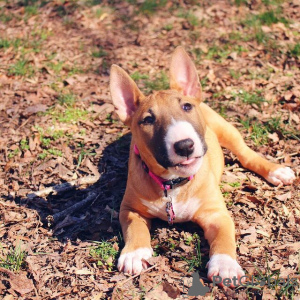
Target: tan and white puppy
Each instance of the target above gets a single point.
(178, 138)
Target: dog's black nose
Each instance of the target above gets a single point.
(184, 147)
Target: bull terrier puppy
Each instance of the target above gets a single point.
(176, 163)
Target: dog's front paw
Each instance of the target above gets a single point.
(134, 262)
(283, 175)
(222, 266)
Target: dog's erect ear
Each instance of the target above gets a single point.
(125, 93)
(183, 74)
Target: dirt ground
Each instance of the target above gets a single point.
(63, 152)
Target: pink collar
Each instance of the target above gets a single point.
(164, 184)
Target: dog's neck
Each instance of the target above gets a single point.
(164, 184)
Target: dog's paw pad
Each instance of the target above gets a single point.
(283, 175)
(134, 262)
(225, 267)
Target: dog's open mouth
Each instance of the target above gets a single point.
(187, 162)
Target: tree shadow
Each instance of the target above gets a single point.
(98, 220)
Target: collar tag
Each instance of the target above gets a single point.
(170, 212)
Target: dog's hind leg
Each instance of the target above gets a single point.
(230, 138)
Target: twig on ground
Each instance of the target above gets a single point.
(53, 219)
(132, 277)
(64, 187)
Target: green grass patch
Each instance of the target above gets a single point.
(198, 54)
(149, 7)
(235, 74)
(23, 46)
(56, 66)
(136, 76)
(258, 132)
(277, 125)
(236, 36)
(93, 2)
(13, 153)
(99, 53)
(48, 136)
(13, 259)
(68, 99)
(69, 114)
(194, 259)
(218, 53)
(260, 36)
(6, 43)
(285, 288)
(74, 69)
(250, 98)
(50, 152)
(21, 68)
(83, 153)
(272, 2)
(240, 2)
(266, 18)
(24, 144)
(31, 10)
(5, 18)
(99, 12)
(271, 17)
(190, 17)
(168, 27)
(295, 50)
(41, 34)
(105, 254)
(234, 184)
(161, 82)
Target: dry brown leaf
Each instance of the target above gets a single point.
(284, 197)
(157, 294)
(118, 278)
(8, 297)
(264, 233)
(19, 282)
(91, 166)
(268, 294)
(84, 272)
(172, 291)
(30, 110)
(34, 267)
(243, 249)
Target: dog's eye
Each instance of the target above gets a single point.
(187, 106)
(148, 120)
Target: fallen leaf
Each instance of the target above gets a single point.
(30, 110)
(284, 197)
(84, 272)
(157, 294)
(19, 282)
(264, 233)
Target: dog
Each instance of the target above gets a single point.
(176, 163)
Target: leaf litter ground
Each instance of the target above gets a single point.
(64, 153)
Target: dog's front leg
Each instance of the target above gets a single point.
(137, 242)
(219, 231)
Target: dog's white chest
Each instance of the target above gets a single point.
(184, 210)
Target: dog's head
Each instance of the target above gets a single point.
(167, 126)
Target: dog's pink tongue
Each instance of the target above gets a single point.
(188, 161)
